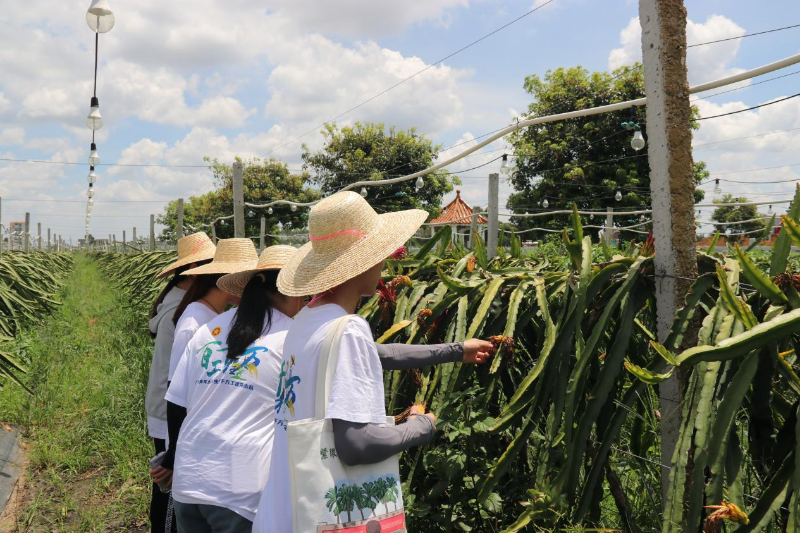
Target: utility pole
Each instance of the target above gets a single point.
(124, 242)
(133, 239)
(152, 233)
(48, 241)
(179, 226)
(609, 229)
(238, 200)
(494, 206)
(263, 231)
(671, 186)
(39, 233)
(26, 239)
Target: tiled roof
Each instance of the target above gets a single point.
(457, 212)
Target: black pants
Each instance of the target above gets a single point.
(159, 501)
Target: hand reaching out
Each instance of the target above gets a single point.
(477, 351)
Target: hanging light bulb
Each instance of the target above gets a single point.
(504, 166)
(545, 203)
(618, 196)
(91, 201)
(294, 207)
(92, 177)
(90, 192)
(770, 210)
(251, 214)
(269, 210)
(637, 143)
(717, 187)
(364, 192)
(99, 17)
(93, 120)
(419, 183)
(591, 216)
(94, 157)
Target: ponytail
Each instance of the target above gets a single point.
(201, 284)
(254, 315)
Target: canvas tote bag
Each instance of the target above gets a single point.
(328, 495)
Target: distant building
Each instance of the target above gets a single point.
(457, 214)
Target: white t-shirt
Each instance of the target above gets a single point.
(222, 456)
(356, 396)
(195, 315)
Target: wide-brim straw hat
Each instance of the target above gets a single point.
(191, 249)
(232, 255)
(272, 258)
(347, 238)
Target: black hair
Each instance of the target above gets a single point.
(171, 284)
(254, 315)
(200, 286)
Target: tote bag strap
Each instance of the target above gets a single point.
(326, 368)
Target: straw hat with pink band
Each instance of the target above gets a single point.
(272, 258)
(232, 255)
(347, 238)
(193, 248)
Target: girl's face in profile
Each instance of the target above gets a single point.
(370, 279)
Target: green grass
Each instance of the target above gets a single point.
(85, 422)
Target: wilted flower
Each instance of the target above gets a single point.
(400, 253)
(471, 263)
(725, 511)
(401, 280)
(423, 316)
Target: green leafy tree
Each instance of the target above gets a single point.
(392, 491)
(583, 160)
(264, 181)
(368, 490)
(368, 152)
(347, 500)
(332, 502)
(731, 218)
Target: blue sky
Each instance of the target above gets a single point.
(183, 80)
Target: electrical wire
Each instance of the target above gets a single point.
(748, 109)
(744, 36)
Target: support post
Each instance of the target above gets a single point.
(1, 228)
(213, 234)
(124, 242)
(179, 225)
(49, 249)
(133, 239)
(671, 185)
(238, 200)
(263, 231)
(26, 238)
(39, 234)
(152, 233)
(608, 231)
(494, 206)
(473, 227)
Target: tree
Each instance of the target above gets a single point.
(264, 181)
(583, 160)
(367, 152)
(332, 502)
(732, 217)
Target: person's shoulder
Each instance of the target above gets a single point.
(357, 326)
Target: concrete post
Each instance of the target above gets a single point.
(608, 231)
(494, 214)
(179, 225)
(263, 231)
(26, 238)
(48, 241)
(671, 184)
(124, 242)
(213, 234)
(133, 239)
(39, 233)
(152, 233)
(238, 200)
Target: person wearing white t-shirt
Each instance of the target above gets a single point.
(222, 392)
(341, 264)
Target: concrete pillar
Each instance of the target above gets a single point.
(494, 214)
(238, 200)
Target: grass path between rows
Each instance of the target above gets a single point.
(84, 426)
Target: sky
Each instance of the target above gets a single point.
(179, 81)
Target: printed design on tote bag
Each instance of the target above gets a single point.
(375, 505)
(285, 395)
(220, 369)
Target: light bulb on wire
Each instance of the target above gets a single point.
(717, 187)
(94, 157)
(93, 120)
(90, 192)
(770, 210)
(419, 183)
(363, 192)
(545, 203)
(294, 207)
(269, 210)
(92, 177)
(618, 196)
(504, 166)
(99, 17)
(637, 143)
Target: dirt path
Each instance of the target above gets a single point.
(84, 426)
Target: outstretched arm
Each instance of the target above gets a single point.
(363, 444)
(405, 356)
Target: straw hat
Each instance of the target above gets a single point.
(191, 249)
(232, 255)
(272, 258)
(347, 238)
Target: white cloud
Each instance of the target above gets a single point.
(12, 136)
(5, 103)
(704, 63)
